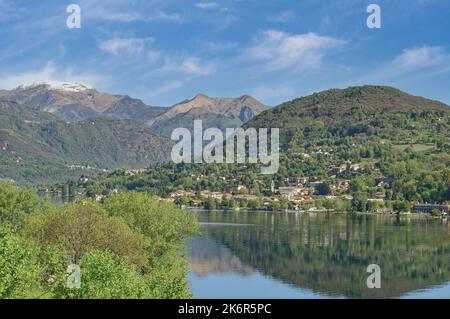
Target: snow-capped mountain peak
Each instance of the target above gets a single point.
(62, 86)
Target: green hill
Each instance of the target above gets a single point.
(381, 111)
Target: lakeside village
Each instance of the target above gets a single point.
(301, 194)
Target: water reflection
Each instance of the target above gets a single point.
(324, 254)
(208, 256)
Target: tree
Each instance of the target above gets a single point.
(357, 185)
(20, 272)
(103, 276)
(161, 222)
(359, 202)
(83, 227)
(210, 203)
(165, 228)
(436, 212)
(182, 201)
(16, 203)
(401, 206)
(323, 189)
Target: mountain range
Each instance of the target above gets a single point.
(55, 130)
(75, 102)
(39, 147)
(214, 112)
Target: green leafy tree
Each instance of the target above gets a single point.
(401, 206)
(16, 203)
(359, 202)
(165, 228)
(162, 223)
(104, 276)
(20, 272)
(83, 227)
(211, 203)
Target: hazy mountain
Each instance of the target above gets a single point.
(214, 112)
(36, 146)
(74, 102)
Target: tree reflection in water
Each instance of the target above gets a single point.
(328, 254)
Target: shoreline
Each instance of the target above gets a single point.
(324, 212)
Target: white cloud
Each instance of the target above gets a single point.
(131, 46)
(163, 16)
(122, 17)
(280, 50)
(49, 73)
(207, 5)
(187, 66)
(418, 62)
(133, 16)
(421, 57)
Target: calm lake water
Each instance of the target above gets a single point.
(297, 255)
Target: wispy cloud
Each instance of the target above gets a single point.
(417, 62)
(421, 57)
(207, 5)
(187, 66)
(49, 73)
(134, 16)
(163, 16)
(121, 16)
(131, 46)
(280, 50)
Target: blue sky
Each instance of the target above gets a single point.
(165, 51)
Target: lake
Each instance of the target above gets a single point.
(301, 255)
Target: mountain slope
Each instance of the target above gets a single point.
(214, 112)
(368, 110)
(37, 146)
(74, 102)
(384, 148)
(77, 102)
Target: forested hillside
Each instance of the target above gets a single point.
(38, 147)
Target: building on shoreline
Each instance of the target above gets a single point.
(428, 208)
